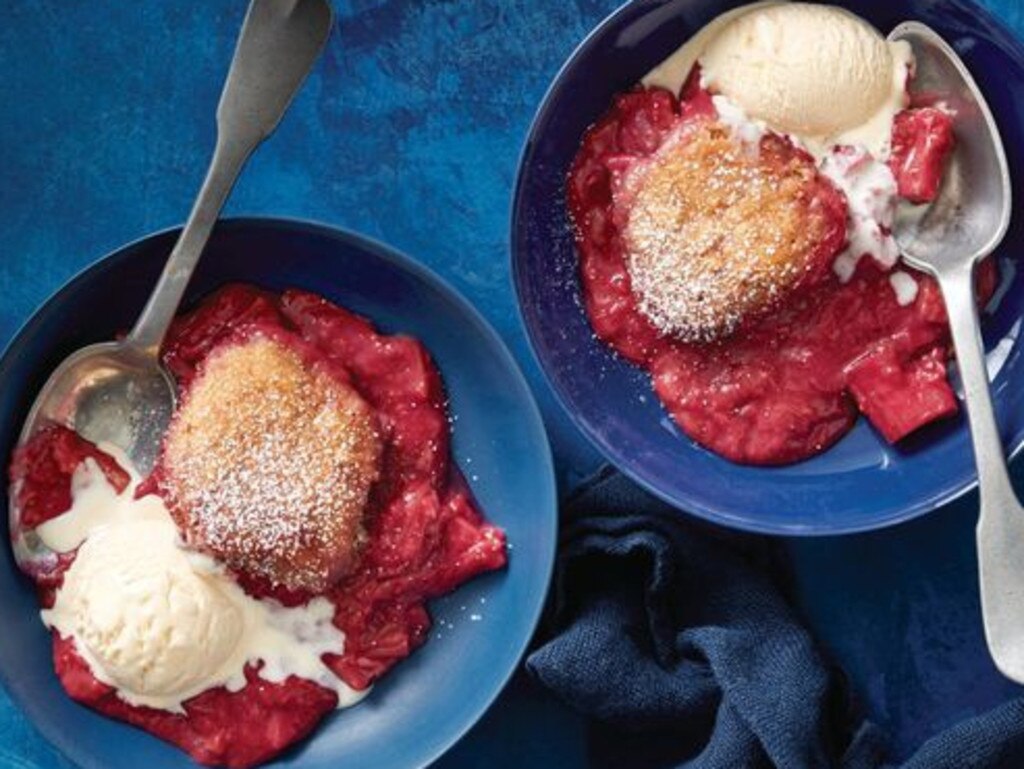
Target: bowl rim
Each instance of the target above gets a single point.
(402, 261)
(692, 505)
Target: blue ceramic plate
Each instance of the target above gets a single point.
(862, 482)
(428, 701)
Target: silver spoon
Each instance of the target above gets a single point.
(946, 239)
(118, 392)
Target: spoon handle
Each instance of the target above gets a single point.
(957, 286)
(278, 45)
(228, 160)
(1000, 530)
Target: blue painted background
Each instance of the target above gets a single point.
(409, 131)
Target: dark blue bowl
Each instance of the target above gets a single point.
(862, 483)
(426, 703)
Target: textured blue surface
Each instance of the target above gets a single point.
(611, 399)
(410, 131)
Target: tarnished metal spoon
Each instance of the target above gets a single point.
(118, 392)
(947, 239)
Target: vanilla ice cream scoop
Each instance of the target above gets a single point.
(144, 615)
(161, 623)
(816, 72)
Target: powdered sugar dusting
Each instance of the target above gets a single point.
(717, 231)
(269, 465)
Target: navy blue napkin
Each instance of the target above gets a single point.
(679, 640)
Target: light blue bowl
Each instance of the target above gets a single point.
(428, 701)
(861, 483)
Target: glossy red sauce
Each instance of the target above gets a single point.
(921, 140)
(787, 386)
(426, 535)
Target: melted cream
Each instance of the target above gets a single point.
(162, 623)
(743, 127)
(905, 287)
(871, 192)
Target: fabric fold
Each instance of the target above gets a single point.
(679, 639)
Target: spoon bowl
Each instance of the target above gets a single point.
(108, 393)
(972, 212)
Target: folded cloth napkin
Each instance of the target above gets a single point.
(680, 640)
